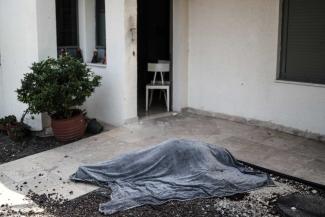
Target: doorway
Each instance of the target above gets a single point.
(154, 45)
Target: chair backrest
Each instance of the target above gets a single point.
(158, 67)
(163, 61)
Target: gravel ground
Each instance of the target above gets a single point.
(258, 203)
(10, 150)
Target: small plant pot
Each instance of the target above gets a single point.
(16, 131)
(3, 129)
(71, 129)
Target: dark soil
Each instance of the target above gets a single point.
(262, 204)
(259, 203)
(88, 204)
(10, 150)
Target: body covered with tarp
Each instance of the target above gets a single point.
(172, 170)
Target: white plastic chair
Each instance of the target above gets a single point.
(156, 68)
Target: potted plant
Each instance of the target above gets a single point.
(58, 87)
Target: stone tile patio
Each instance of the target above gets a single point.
(49, 171)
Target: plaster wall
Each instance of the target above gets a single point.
(233, 57)
(87, 28)
(26, 36)
(115, 101)
(180, 54)
(18, 48)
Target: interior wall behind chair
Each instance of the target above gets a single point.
(153, 37)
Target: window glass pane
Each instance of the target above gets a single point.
(100, 24)
(66, 20)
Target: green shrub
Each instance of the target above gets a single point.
(57, 86)
(8, 120)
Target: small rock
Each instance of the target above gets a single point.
(293, 208)
(314, 191)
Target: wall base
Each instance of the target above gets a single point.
(258, 123)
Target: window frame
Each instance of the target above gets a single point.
(282, 51)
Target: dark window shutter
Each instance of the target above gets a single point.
(100, 24)
(303, 41)
(67, 23)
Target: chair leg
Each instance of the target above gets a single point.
(165, 96)
(151, 96)
(168, 102)
(147, 98)
(160, 92)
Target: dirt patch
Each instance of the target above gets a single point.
(10, 150)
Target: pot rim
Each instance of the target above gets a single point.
(75, 116)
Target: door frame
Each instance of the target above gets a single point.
(171, 57)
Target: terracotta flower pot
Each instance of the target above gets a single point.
(3, 129)
(16, 131)
(67, 130)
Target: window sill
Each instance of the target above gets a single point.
(300, 83)
(99, 65)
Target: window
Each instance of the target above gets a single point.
(303, 41)
(67, 25)
(100, 24)
(100, 31)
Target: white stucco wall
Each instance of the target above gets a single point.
(25, 37)
(180, 54)
(115, 101)
(46, 29)
(233, 65)
(87, 28)
(18, 46)
(131, 74)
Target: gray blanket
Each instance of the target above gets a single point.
(172, 170)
